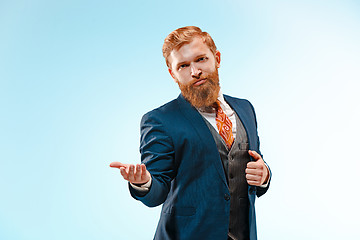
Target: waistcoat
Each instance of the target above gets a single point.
(234, 162)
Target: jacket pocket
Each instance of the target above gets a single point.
(181, 211)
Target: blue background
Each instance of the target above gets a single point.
(76, 77)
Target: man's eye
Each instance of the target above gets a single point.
(201, 59)
(183, 66)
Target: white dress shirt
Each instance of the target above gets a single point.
(210, 113)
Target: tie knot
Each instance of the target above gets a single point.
(218, 108)
(216, 105)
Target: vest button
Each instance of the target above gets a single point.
(227, 197)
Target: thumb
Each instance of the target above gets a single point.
(117, 164)
(254, 154)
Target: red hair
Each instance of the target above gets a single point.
(185, 35)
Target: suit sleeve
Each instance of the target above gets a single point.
(260, 190)
(157, 153)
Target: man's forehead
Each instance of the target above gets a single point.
(195, 42)
(189, 50)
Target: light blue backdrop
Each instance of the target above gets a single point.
(76, 77)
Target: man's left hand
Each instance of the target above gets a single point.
(256, 171)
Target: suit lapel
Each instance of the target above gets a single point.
(206, 138)
(244, 118)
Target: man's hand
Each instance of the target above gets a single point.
(256, 172)
(134, 174)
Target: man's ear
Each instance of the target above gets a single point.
(172, 74)
(217, 58)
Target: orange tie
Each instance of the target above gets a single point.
(224, 125)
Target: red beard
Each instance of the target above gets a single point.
(204, 95)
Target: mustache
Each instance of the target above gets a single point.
(194, 80)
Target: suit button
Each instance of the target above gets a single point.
(227, 197)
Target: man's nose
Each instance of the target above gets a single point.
(195, 71)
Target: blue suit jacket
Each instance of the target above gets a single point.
(187, 173)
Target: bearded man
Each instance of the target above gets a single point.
(200, 152)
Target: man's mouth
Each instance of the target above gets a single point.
(199, 82)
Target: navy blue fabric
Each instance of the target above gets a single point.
(187, 174)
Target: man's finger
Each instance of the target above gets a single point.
(138, 171)
(254, 154)
(143, 170)
(254, 165)
(131, 173)
(253, 183)
(252, 177)
(117, 164)
(123, 173)
(253, 171)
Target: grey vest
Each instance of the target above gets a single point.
(234, 163)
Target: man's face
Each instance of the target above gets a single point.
(195, 69)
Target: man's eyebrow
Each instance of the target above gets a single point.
(198, 56)
(181, 63)
(201, 55)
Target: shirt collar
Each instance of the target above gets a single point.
(221, 98)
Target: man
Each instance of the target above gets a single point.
(200, 152)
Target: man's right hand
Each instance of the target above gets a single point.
(134, 174)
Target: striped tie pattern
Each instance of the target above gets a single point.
(224, 125)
